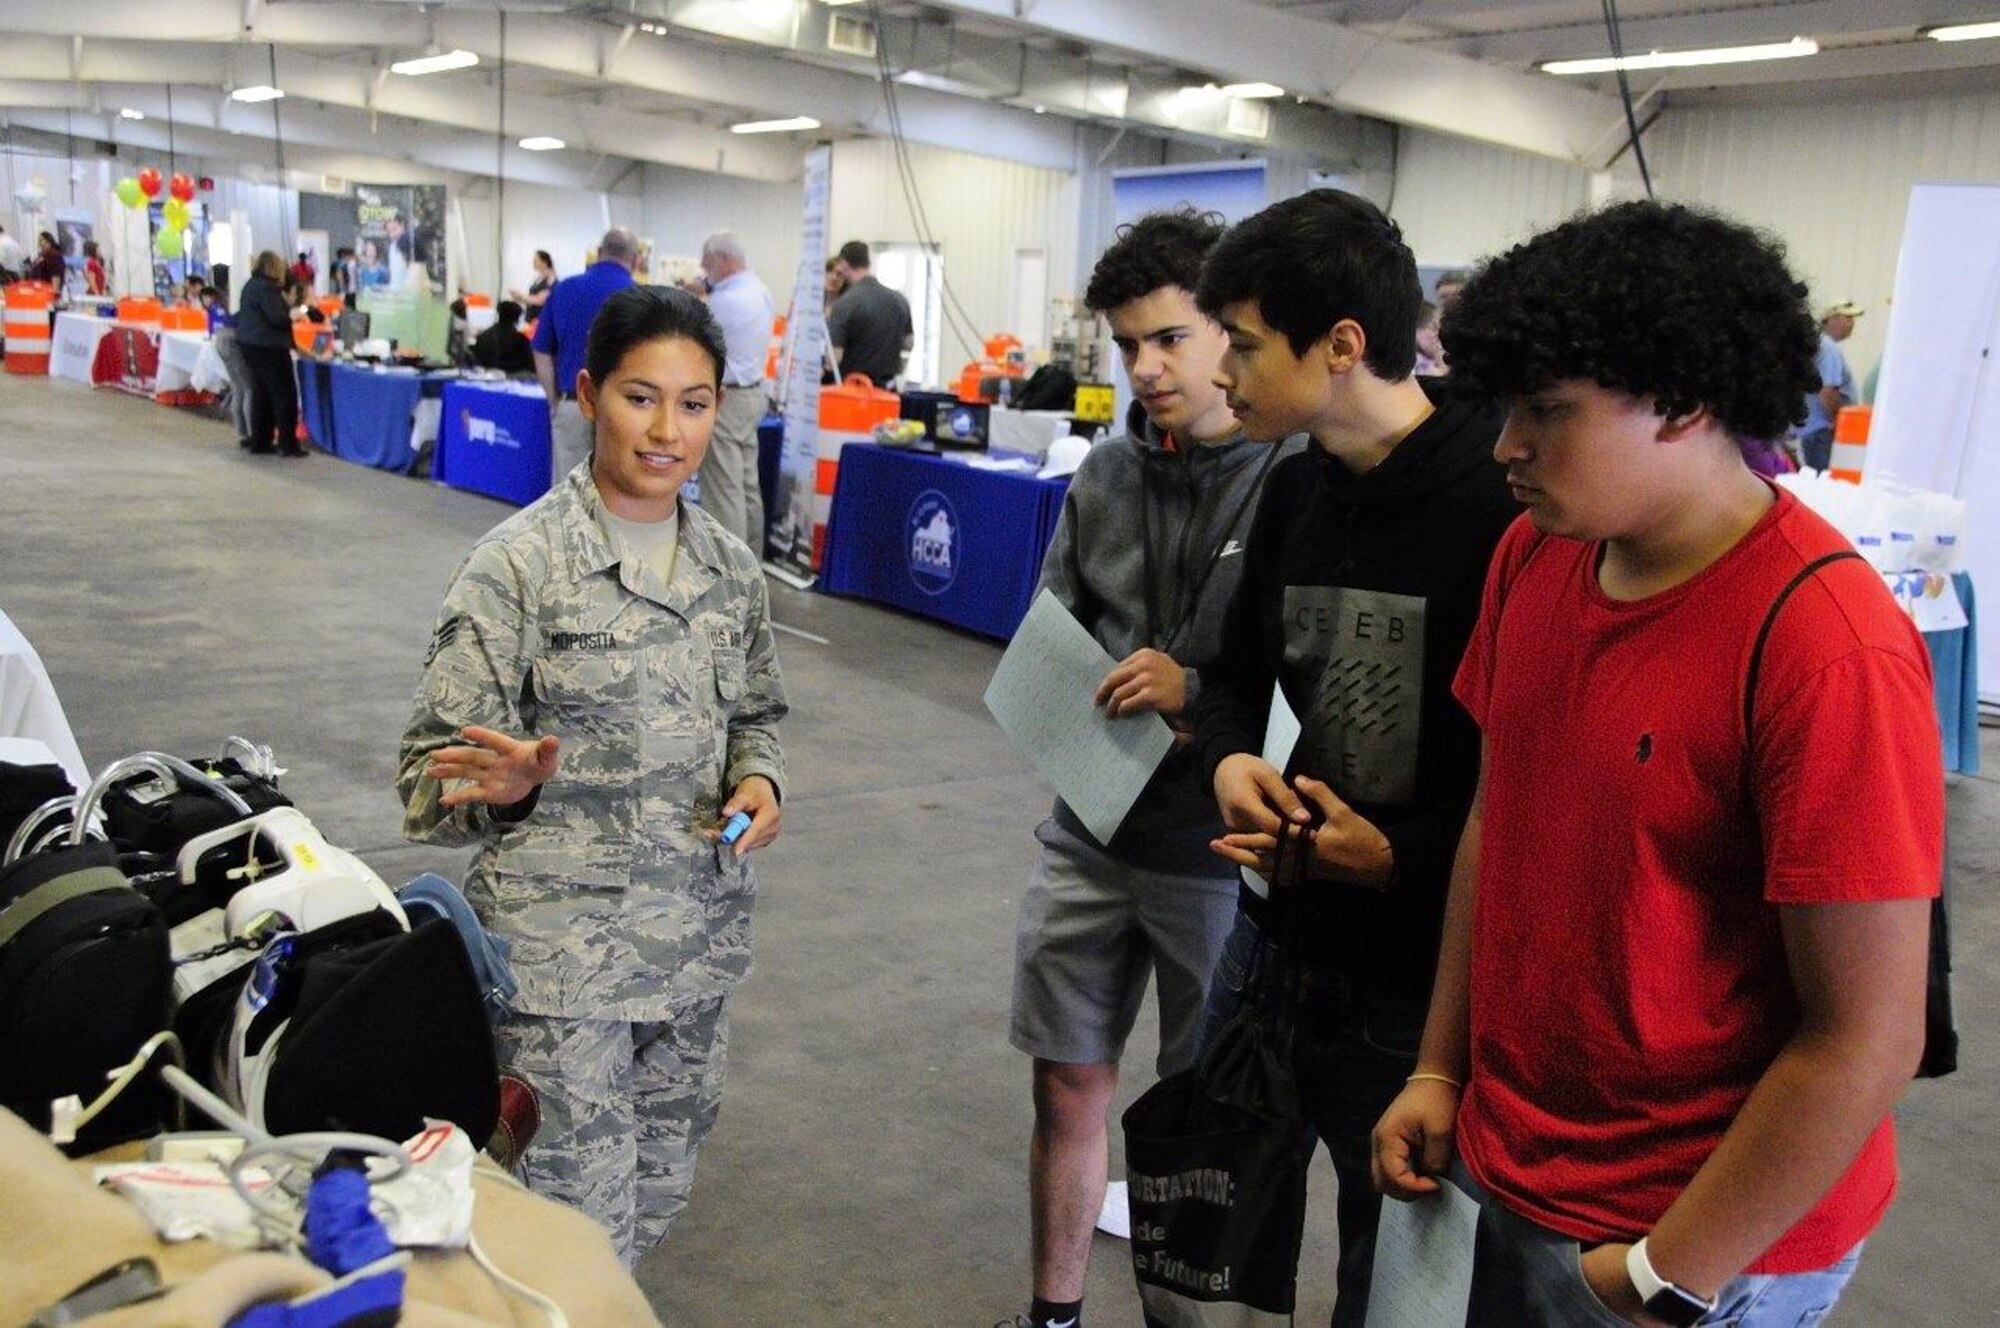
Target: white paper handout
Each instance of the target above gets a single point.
(1041, 696)
(1423, 1261)
(1281, 734)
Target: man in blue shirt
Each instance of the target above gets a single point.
(1836, 386)
(559, 343)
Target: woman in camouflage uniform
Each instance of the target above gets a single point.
(601, 697)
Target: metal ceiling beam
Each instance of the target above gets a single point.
(1237, 41)
(461, 103)
(317, 140)
(1530, 44)
(739, 78)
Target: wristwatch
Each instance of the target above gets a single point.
(1663, 1300)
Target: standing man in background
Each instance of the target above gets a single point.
(869, 330)
(1836, 385)
(559, 340)
(742, 306)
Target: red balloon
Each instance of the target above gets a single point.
(149, 182)
(181, 187)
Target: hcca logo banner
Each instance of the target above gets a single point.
(932, 531)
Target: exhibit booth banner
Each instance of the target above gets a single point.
(400, 251)
(1937, 409)
(791, 539)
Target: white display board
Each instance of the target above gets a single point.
(792, 524)
(1937, 407)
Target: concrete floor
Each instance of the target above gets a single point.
(869, 1162)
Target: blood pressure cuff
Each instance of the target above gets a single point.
(377, 1036)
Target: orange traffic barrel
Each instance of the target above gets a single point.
(848, 413)
(28, 339)
(774, 352)
(1850, 443)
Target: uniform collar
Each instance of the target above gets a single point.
(697, 566)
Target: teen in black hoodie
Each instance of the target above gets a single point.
(1366, 566)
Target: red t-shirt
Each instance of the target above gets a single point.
(1629, 984)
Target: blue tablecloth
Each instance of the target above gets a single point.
(1955, 677)
(316, 400)
(770, 453)
(934, 536)
(371, 413)
(494, 439)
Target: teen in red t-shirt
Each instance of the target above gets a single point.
(1682, 977)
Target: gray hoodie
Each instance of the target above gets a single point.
(1138, 512)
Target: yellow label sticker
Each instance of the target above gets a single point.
(303, 852)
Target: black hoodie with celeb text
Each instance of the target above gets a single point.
(1358, 597)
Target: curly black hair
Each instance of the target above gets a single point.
(1655, 300)
(1315, 259)
(1160, 249)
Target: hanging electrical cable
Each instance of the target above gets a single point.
(278, 144)
(173, 165)
(961, 323)
(1614, 30)
(500, 167)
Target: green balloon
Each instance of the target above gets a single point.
(167, 244)
(128, 192)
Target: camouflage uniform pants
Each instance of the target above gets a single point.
(625, 1107)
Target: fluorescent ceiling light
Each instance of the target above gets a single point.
(918, 78)
(262, 92)
(1252, 90)
(836, 4)
(436, 64)
(542, 143)
(127, 113)
(1720, 55)
(774, 126)
(1963, 32)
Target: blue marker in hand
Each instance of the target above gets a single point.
(737, 824)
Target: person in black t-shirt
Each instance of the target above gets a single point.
(502, 346)
(1361, 583)
(869, 329)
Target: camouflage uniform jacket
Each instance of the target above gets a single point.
(665, 696)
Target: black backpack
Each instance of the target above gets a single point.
(85, 973)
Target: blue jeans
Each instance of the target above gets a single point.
(1352, 1045)
(1526, 1276)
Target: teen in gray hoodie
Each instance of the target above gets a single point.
(1147, 556)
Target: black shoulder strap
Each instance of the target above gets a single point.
(1770, 620)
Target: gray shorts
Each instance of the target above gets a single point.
(1092, 928)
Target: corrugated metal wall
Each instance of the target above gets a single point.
(1459, 201)
(981, 210)
(680, 207)
(566, 222)
(1832, 179)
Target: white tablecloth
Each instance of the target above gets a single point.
(181, 355)
(75, 348)
(28, 704)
